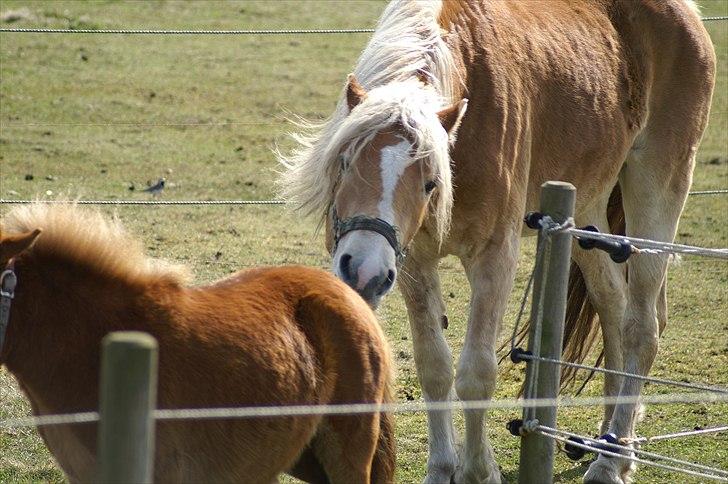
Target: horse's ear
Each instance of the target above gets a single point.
(451, 116)
(355, 93)
(423, 77)
(13, 245)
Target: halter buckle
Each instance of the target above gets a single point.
(8, 281)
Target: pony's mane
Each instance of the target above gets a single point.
(88, 238)
(406, 46)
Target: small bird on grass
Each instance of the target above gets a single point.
(156, 189)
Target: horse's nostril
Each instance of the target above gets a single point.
(387, 283)
(390, 277)
(345, 267)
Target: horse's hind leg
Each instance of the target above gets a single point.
(654, 188)
(607, 287)
(308, 468)
(345, 447)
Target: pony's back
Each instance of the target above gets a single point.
(276, 336)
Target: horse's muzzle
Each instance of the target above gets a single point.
(374, 287)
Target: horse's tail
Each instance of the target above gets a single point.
(581, 328)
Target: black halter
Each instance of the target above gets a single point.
(373, 224)
(7, 293)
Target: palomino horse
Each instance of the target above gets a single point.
(596, 93)
(275, 336)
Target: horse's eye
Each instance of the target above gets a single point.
(342, 161)
(429, 186)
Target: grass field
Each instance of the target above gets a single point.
(90, 115)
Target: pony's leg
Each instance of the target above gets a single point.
(420, 287)
(662, 305)
(653, 198)
(607, 287)
(490, 273)
(345, 447)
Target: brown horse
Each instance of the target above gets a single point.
(598, 93)
(267, 336)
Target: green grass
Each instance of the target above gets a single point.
(92, 113)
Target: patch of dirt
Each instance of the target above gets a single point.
(11, 16)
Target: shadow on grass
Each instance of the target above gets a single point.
(573, 474)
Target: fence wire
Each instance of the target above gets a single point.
(635, 450)
(366, 408)
(226, 202)
(149, 202)
(186, 31)
(216, 31)
(651, 379)
(678, 435)
(647, 246)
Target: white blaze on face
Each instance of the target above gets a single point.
(393, 161)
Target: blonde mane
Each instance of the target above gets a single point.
(406, 46)
(87, 237)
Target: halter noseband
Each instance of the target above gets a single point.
(373, 224)
(7, 293)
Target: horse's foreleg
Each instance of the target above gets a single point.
(420, 286)
(491, 275)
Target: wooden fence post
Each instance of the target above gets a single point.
(128, 394)
(537, 451)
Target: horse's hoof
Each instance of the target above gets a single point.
(494, 476)
(603, 471)
(439, 477)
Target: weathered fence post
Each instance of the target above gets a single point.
(537, 451)
(128, 394)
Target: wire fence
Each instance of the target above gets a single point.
(645, 378)
(618, 447)
(215, 31)
(646, 246)
(186, 31)
(4, 201)
(148, 202)
(622, 448)
(714, 475)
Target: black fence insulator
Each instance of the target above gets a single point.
(621, 253)
(573, 452)
(618, 251)
(517, 355)
(514, 427)
(577, 453)
(532, 220)
(588, 244)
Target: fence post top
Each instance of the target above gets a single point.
(133, 338)
(559, 185)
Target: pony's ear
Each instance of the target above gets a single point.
(13, 245)
(355, 93)
(451, 116)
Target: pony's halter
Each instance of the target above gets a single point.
(373, 224)
(7, 293)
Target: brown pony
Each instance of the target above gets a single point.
(266, 336)
(598, 93)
